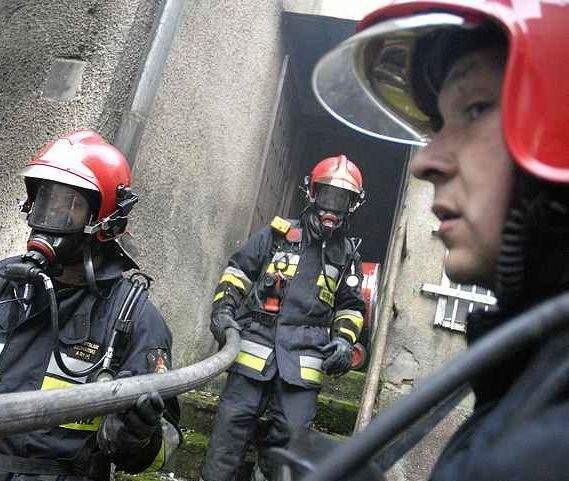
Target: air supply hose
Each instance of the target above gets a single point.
(518, 333)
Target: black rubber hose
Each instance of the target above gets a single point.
(54, 316)
(27, 411)
(514, 335)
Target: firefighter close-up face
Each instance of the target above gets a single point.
(469, 166)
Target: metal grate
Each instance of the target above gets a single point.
(456, 301)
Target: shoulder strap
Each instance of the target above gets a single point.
(139, 284)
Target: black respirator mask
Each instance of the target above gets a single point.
(58, 218)
(330, 210)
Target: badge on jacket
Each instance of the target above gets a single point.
(157, 360)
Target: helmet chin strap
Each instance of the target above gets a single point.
(89, 267)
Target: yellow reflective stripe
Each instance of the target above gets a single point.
(350, 333)
(233, 280)
(159, 460)
(218, 296)
(251, 361)
(86, 425)
(357, 320)
(91, 424)
(310, 374)
(326, 296)
(322, 283)
(55, 383)
(289, 271)
(280, 225)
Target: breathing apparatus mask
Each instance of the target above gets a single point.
(330, 210)
(58, 217)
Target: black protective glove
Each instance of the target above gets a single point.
(338, 354)
(222, 319)
(123, 436)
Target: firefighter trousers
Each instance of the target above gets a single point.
(242, 403)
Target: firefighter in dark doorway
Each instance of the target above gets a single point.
(79, 197)
(293, 291)
(486, 86)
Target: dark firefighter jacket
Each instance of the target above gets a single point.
(27, 364)
(519, 430)
(290, 342)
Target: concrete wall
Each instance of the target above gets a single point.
(64, 64)
(198, 169)
(414, 347)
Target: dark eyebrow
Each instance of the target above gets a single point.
(460, 72)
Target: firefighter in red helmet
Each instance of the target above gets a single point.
(293, 290)
(483, 87)
(78, 201)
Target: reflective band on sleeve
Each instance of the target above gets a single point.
(234, 280)
(312, 375)
(254, 362)
(280, 225)
(354, 316)
(218, 296)
(350, 333)
(89, 424)
(2, 346)
(233, 271)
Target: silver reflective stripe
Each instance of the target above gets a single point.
(293, 259)
(238, 273)
(2, 346)
(71, 363)
(332, 272)
(347, 312)
(311, 362)
(171, 439)
(256, 349)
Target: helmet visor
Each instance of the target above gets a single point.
(59, 208)
(366, 82)
(334, 199)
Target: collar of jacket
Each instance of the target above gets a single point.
(491, 386)
(75, 302)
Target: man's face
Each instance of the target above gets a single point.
(470, 168)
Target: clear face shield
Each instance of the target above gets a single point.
(60, 209)
(366, 82)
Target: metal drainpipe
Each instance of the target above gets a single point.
(133, 123)
(371, 385)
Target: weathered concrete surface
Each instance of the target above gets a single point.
(414, 347)
(198, 167)
(37, 36)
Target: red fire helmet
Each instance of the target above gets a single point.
(338, 171)
(82, 159)
(368, 81)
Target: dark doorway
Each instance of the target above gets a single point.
(302, 133)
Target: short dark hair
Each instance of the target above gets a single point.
(436, 52)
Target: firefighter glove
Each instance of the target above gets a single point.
(222, 319)
(338, 354)
(136, 428)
